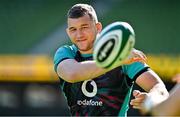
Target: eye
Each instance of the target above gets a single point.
(72, 29)
(85, 27)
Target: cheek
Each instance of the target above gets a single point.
(72, 37)
(93, 35)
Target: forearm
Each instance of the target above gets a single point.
(88, 70)
(73, 71)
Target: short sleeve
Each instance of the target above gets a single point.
(135, 69)
(64, 52)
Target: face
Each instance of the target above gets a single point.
(82, 32)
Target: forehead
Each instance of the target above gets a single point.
(74, 22)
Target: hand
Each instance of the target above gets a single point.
(139, 99)
(135, 56)
(146, 101)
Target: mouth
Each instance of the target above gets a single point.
(81, 40)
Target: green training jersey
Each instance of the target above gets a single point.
(108, 94)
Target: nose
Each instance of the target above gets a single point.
(79, 34)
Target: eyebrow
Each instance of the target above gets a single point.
(84, 24)
(70, 28)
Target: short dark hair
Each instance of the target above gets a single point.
(79, 10)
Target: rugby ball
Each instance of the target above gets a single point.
(113, 44)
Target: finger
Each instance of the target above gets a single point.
(137, 53)
(136, 93)
(136, 59)
(135, 104)
(137, 107)
(137, 100)
(135, 56)
(143, 55)
(144, 58)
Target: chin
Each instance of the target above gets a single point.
(82, 49)
(85, 50)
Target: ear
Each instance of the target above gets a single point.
(67, 31)
(99, 27)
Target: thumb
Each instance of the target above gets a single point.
(136, 93)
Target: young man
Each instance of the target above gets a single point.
(93, 91)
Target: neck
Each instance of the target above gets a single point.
(86, 52)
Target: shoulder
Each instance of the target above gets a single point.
(64, 52)
(66, 48)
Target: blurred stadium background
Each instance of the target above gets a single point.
(32, 30)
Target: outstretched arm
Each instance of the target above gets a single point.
(72, 71)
